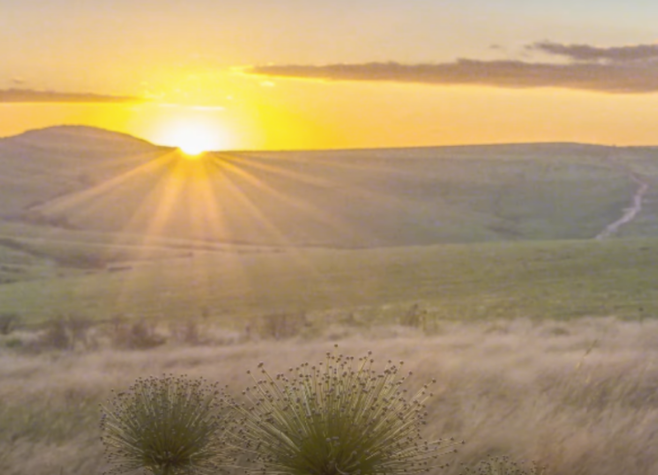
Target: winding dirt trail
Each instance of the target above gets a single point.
(629, 213)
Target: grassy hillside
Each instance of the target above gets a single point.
(42, 164)
(559, 280)
(468, 232)
(360, 198)
(31, 252)
(92, 180)
(643, 161)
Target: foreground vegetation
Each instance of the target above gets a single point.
(475, 265)
(579, 398)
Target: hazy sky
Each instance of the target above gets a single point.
(339, 73)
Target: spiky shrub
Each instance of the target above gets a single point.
(503, 466)
(166, 425)
(335, 418)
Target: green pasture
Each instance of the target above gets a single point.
(554, 279)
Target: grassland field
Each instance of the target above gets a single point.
(580, 397)
(476, 265)
(556, 280)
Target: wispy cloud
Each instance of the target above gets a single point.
(32, 96)
(580, 52)
(626, 69)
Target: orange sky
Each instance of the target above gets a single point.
(304, 114)
(537, 71)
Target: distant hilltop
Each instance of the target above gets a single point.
(77, 136)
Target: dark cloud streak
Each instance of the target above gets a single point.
(618, 70)
(31, 96)
(580, 52)
(510, 74)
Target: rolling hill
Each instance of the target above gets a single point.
(98, 223)
(42, 164)
(94, 180)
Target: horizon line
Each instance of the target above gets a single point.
(321, 149)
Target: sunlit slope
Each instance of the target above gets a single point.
(537, 279)
(42, 164)
(364, 198)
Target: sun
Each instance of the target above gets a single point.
(193, 134)
(194, 139)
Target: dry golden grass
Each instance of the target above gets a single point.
(581, 398)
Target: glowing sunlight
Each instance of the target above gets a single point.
(193, 135)
(194, 139)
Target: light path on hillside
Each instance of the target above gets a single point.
(629, 213)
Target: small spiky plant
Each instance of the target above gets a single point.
(338, 417)
(503, 466)
(166, 425)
